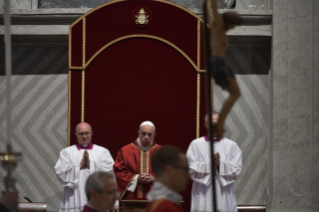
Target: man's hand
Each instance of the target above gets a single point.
(145, 178)
(85, 162)
(216, 159)
(87, 159)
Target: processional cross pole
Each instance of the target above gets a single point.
(9, 158)
(215, 46)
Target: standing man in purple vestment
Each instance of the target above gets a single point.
(75, 165)
(101, 191)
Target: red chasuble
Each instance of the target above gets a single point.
(163, 205)
(130, 161)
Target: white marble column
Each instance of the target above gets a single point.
(295, 106)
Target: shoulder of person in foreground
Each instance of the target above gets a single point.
(163, 205)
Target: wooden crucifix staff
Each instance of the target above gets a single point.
(215, 45)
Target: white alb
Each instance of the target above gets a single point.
(73, 179)
(198, 155)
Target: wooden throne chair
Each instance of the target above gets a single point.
(137, 60)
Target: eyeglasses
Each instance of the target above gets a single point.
(185, 168)
(112, 193)
(84, 133)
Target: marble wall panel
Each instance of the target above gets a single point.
(315, 103)
(36, 59)
(252, 4)
(39, 119)
(247, 124)
(190, 4)
(300, 42)
(295, 100)
(18, 4)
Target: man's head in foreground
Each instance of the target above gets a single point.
(101, 191)
(146, 133)
(83, 132)
(171, 167)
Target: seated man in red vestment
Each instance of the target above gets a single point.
(132, 167)
(101, 192)
(171, 169)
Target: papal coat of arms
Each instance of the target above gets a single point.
(141, 17)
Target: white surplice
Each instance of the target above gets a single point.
(199, 158)
(73, 179)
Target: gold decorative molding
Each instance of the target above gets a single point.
(93, 10)
(141, 36)
(83, 96)
(76, 67)
(198, 106)
(69, 108)
(70, 47)
(198, 44)
(83, 41)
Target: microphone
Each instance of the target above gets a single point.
(27, 198)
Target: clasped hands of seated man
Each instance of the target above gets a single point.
(145, 178)
(85, 162)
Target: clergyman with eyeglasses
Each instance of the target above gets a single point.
(75, 165)
(101, 191)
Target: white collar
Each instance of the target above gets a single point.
(144, 148)
(160, 191)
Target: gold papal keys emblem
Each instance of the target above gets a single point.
(141, 17)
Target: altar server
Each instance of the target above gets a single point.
(228, 161)
(75, 165)
(134, 174)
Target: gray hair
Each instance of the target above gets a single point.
(95, 182)
(206, 116)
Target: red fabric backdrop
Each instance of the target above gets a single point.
(137, 79)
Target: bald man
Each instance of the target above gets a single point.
(75, 165)
(134, 174)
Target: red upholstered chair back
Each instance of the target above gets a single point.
(128, 65)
